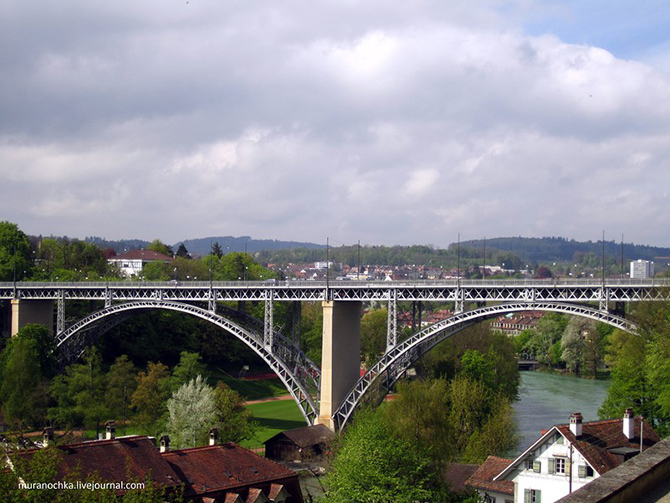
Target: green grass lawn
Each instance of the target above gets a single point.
(274, 417)
(250, 390)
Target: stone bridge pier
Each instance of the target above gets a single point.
(340, 356)
(31, 311)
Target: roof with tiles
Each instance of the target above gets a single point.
(122, 459)
(144, 255)
(224, 467)
(483, 477)
(306, 436)
(599, 437)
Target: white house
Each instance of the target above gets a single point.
(131, 263)
(563, 459)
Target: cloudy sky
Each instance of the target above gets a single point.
(386, 122)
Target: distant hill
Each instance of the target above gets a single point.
(553, 249)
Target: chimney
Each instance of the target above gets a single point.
(47, 436)
(576, 424)
(213, 436)
(629, 424)
(110, 430)
(165, 443)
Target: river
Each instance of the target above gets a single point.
(546, 399)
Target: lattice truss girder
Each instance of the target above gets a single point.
(532, 290)
(400, 357)
(286, 363)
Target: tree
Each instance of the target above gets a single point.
(24, 388)
(573, 343)
(121, 383)
(158, 246)
(217, 250)
(192, 412)
(374, 465)
(188, 368)
(374, 328)
(15, 262)
(80, 393)
(149, 398)
(182, 252)
(234, 422)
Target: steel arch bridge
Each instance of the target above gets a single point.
(398, 358)
(299, 375)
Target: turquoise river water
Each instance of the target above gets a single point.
(546, 399)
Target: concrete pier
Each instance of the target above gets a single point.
(32, 311)
(340, 355)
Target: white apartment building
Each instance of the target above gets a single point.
(641, 269)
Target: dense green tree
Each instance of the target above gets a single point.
(234, 422)
(15, 254)
(217, 250)
(374, 328)
(150, 397)
(158, 246)
(375, 466)
(312, 330)
(80, 394)
(24, 387)
(188, 368)
(182, 252)
(630, 386)
(549, 331)
(121, 384)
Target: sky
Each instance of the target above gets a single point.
(383, 122)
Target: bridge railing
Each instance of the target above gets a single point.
(588, 282)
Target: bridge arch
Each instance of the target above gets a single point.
(403, 355)
(287, 361)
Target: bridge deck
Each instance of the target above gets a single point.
(557, 290)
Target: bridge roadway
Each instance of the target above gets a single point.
(331, 394)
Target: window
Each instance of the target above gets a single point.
(529, 464)
(585, 471)
(537, 466)
(532, 496)
(560, 466)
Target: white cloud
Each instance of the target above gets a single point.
(402, 124)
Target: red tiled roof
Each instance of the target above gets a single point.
(145, 255)
(224, 467)
(306, 436)
(457, 474)
(598, 437)
(118, 460)
(483, 477)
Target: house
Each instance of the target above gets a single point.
(230, 473)
(216, 473)
(131, 263)
(565, 458)
(514, 324)
(301, 444)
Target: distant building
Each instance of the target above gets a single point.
(514, 324)
(563, 459)
(131, 263)
(641, 269)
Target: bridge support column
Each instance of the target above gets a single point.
(32, 311)
(340, 356)
(392, 329)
